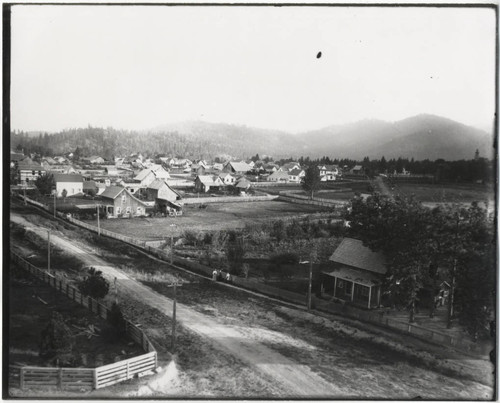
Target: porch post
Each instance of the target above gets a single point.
(335, 287)
(369, 297)
(378, 296)
(352, 291)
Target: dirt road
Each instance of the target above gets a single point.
(294, 379)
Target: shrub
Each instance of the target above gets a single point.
(56, 339)
(94, 285)
(117, 323)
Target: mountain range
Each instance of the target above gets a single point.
(420, 137)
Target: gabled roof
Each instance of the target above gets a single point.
(143, 174)
(29, 165)
(112, 192)
(224, 175)
(87, 185)
(67, 177)
(16, 156)
(279, 174)
(295, 172)
(206, 179)
(156, 184)
(290, 165)
(357, 168)
(352, 252)
(239, 166)
(243, 183)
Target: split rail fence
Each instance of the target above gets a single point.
(93, 378)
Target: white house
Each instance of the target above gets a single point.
(227, 178)
(296, 175)
(278, 176)
(328, 172)
(72, 183)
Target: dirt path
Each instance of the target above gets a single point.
(384, 189)
(295, 380)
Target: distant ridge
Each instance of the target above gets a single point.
(421, 137)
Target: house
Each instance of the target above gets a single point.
(279, 176)
(296, 175)
(217, 166)
(357, 170)
(328, 172)
(119, 202)
(243, 184)
(159, 171)
(356, 275)
(270, 168)
(60, 160)
(289, 166)
(166, 199)
(72, 183)
(16, 157)
(145, 177)
(28, 171)
(227, 178)
(111, 170)
(237, 167)
(90, 188)
(198, 169)
(203, 183)
(133, 187)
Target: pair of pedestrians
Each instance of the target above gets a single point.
(218, 276)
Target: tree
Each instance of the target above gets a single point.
(56, 339)
(94, 285)
(45, 183)
(312, 180)
(235, 252)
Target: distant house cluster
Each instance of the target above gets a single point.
(137, 185)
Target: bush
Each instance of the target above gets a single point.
(94, 285)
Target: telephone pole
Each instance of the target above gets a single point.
(48, 250)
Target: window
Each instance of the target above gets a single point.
(365, 291)
(340, 283)
(118, 210)
(128, 210)
(123, 199)
(32, 172)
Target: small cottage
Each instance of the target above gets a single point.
(119, 202)
(356, 274)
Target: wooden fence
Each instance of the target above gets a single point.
(315, 202)
(227, 199)
(94, 378)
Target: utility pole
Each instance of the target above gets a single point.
(310, 283)
(55, 193)
(48, 250)
(24, 187)
(174, 317)
(98, 225)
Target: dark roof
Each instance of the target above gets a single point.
(112, 192)
(67, 178)
(156, 184)
(352, 252)
(87, 185)
(16, 156)
(295, 172)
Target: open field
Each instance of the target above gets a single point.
(214, 217)
(31, 306)
(459, 193)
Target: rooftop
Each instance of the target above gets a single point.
(352, 252)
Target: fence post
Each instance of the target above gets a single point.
(21, 378)
(95, 378)
(128, 369)
(59, 379)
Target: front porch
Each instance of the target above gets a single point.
(353, 286)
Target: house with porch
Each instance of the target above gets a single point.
(356, 274)
(296, 175)
(119, 202)
(203, 183)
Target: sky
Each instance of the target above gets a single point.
(137, 67)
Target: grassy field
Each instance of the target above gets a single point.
(215, 217)
(436, 193)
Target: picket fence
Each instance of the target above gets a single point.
(315, 202)
(320, 305)
(93, 378)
